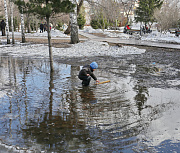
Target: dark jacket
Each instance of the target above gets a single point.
(3, 25)
(86, 70)
(41, 26)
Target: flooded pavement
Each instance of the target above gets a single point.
(45, 111)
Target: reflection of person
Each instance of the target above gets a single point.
(141, 96)
(3, 26)
(87, 95)
(86, 73)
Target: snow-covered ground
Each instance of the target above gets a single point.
(54, 33)
(87, 48)
(155, 36)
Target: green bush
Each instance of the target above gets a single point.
(59, 26)
(99, 24)
(94, 24)
(81, 21)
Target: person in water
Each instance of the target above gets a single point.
(86, 73)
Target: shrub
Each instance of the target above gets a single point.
(81, 21)
(59, 25)
(94, 24)
(99, 24)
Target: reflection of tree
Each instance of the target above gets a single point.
(10, 101)
(141, 97)
(51, 87)
(57, 132)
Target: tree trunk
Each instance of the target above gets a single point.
(22, 28)
(51, 87)
(28, 23)
(7, 23)
(12, 26)
(74, 26)
(49, 44)
(68, 30)
(79, 6)
(36, 25)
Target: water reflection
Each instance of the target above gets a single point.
(57, 132)
(51, 111)
(141, 95)
(87, 95)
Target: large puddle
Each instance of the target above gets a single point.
(44, 111)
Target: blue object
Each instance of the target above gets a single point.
(94, 65)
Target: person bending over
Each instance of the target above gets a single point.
(86, 73)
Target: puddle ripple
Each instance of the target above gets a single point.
(45, 111)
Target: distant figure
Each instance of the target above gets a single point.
(128, 27)
(45, 26)
(64, 26)
(50, 26)
(148, 30)
(41, 28)
(3, 26)
(143, 29)
(86, 73)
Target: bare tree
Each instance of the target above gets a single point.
(79, 5)
(28, 19)
(22, 28)
(114, 11)
(128, 7)
(104, 9)
(109, 9)
(7, 23)
(168, 16)
(12, 26)
(74, 28)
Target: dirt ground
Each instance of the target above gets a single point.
(58, 43)
(99, 34)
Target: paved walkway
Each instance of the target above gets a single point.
(114, 40)
(131, 41)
